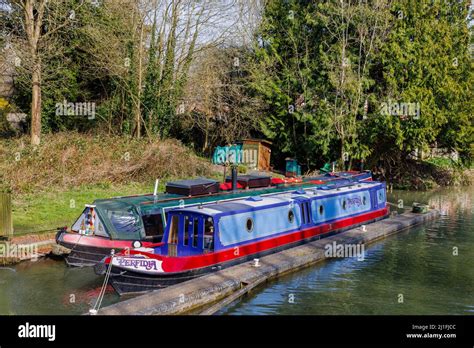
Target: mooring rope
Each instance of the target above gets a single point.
(98, 303)
(75, 245)
(393, 204)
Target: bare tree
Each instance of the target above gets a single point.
(38, 25)
(217, 100)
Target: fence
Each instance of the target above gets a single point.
(6, 221)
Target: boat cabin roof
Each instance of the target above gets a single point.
(282, 198)
(150, 204)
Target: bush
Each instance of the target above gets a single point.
(65, 160)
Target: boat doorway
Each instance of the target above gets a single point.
(173, 236)
(154, 227)
(191, 237)
(189, 234)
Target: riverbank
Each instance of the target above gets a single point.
(426, 174)
(29, 247)
(35, 212)
(65, 161)
(51, 183)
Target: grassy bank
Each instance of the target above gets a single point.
(51, 183)
(33, 212)
(67, 160)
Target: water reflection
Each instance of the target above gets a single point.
(49, 287)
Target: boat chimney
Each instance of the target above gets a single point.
(234, 178)
(155, 191)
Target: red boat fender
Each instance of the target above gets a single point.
(317, 182)
(277, 181)
(293, 180)
(227, 186)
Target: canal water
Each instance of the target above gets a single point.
(427, 270)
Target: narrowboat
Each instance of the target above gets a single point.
(116, 223)
(202, 239)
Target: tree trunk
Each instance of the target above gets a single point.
(206, 138)
(36, 105)
(138, 115)
(33, 20)
(342, 154)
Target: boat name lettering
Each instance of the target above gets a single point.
(147, 264)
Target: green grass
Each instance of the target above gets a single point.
(38, 212)
(442, 162)
(46, 211)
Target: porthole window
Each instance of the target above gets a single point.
(321, 209)
(344, 204)
(249, 225)
(291, 216)
(364, 200)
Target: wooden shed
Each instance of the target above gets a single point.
(256, 154)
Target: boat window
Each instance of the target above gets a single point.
(173, 236)
(381, 198)
(249, 225)
(153, 225)
(321, 209)
(364, 200)
(344, 204)
(124, 221)
(195, 232)
(89, 223)
(291, 216)
(100, 230)
(209, 234)
(186, 228)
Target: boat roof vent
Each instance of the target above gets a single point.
(254, 199)
(300, 192)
